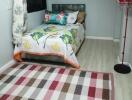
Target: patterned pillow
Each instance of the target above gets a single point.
(55, 18)
(72, 17)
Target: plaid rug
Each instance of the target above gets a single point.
(36, 82)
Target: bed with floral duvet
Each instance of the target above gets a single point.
(53, 40)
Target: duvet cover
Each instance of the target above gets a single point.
(54, 40)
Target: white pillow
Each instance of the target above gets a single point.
(72, 17)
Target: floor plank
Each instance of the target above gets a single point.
(101, 55)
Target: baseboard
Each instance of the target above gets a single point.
(119, 62)
(10, 63)
(102, 38)
(99, 38)
(116, 40)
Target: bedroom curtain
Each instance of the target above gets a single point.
(19, 20)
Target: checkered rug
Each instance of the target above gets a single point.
(36, 82)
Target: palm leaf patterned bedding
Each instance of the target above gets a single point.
(55, 40)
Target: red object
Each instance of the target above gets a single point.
(20, 80)
(124, 1)
(53, 85)
(91, 91)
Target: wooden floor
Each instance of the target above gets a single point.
(101, 55)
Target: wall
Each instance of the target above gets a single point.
(103, 16)
(35, 19)
(6, 48)
(118, 21)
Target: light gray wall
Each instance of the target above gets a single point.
(118, 21)
(35, 19)
(103, 16)
(6, 48)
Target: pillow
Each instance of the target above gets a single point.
(72, 17)
(81, 17)
(52, 18)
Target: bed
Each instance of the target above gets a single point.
(54, 42)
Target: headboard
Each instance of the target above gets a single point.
(68, 7)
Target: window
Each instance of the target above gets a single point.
(35, 5)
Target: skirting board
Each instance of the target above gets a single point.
(10, 63)
(119, 62)
(102, 38)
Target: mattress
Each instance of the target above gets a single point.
(79, 28)
(54, 40)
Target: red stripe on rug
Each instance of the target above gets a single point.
(33, 67)
(20, 80)
(94, 75)
(4, 97)
(53, 85)
(91, 92)
(61, 71)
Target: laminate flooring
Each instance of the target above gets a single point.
(101, 55)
